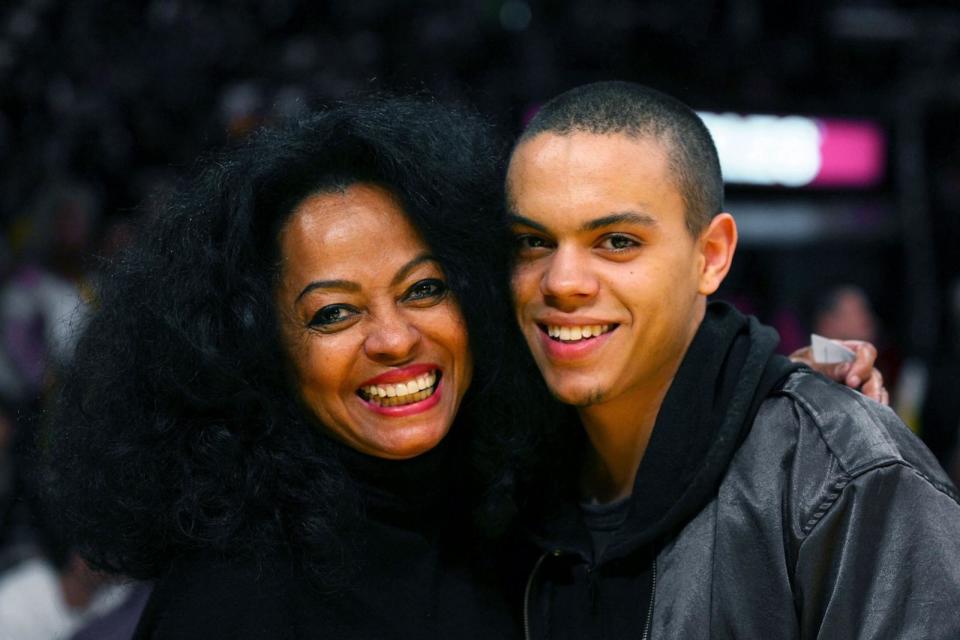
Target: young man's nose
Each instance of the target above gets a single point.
(568, 278)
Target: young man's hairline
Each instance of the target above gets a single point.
(695, 221)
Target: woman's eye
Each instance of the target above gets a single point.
(618, 242)
(426, 290)
(332, 315)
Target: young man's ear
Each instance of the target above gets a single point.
(717, 243)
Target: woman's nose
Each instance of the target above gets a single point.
(393, 338)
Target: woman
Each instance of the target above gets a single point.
(254, 413)
(269, 409)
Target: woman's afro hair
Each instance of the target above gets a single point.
(175, 428)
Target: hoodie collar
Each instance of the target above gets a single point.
(727, 371)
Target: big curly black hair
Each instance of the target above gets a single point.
(176, 430)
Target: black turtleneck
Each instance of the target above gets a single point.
(410, 571)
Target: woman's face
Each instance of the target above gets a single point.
(376, 340)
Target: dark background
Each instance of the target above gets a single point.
(103, 103)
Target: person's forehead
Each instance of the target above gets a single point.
(363, 225)
(598, 172)
(588, 149)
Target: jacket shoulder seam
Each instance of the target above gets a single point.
(836, 490)
(833, 494)
(802, 401)
(848, 474)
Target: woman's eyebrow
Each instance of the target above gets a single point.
(353, 287)
(410, 266)
(340, 285)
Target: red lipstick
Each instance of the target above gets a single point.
(402, 374)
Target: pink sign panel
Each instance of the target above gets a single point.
(852, 154)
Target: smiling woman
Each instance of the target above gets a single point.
(376, 339)
(270, 408)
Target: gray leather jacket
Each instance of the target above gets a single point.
(832, 521)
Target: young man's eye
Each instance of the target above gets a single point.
(429, 289)
(332, 315)
(618, 242)
(529, 242)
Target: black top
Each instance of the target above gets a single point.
(412, 572)
(603, 520)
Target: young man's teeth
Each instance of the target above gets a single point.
(391, 395)
(572, 334)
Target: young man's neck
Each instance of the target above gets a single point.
(619, 433)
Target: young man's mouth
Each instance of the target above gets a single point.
(575, 333)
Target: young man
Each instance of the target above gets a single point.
(723, 492)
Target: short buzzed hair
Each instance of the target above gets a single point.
(637, 111)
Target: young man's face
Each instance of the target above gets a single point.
(609, 284)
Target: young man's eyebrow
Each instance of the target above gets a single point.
(629, 217)
(515, 218)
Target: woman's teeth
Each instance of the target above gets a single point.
(391, 395)
(572, 334)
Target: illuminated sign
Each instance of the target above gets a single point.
(795, 151)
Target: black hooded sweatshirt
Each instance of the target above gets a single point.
(571, 591)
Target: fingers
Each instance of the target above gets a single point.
(836, 371)
(804, 355)
(858, 374)
(873, 388)
(861, 369)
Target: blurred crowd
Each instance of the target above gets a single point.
(103, 104)
(46, 590)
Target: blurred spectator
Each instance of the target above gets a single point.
(845, 313)
(45, 590)
(941, 407)
(120, 622)
(38, 310)
(41, 306)
(38, 602)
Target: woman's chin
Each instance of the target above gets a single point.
(402, 442)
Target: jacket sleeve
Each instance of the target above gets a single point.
(883, 560)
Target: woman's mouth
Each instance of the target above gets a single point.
(415, 389)
(576, 333)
